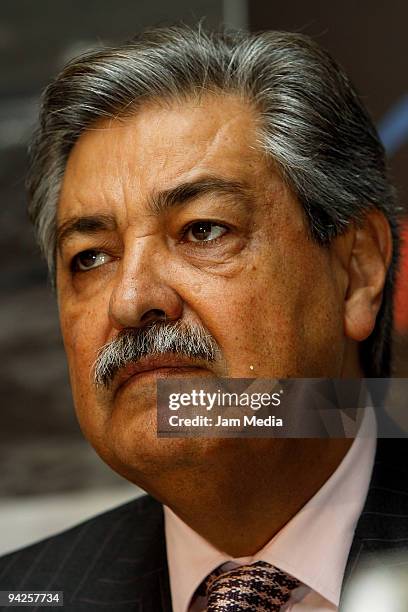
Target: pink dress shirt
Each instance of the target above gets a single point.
(313, 546)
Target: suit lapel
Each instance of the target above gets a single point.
(383, 524)
(129, 571)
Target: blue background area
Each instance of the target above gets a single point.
(393, 128)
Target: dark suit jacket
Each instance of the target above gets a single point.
(117, 561)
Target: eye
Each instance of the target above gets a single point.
(204, 231)
(88, 260)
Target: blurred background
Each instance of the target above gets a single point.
(49, 477)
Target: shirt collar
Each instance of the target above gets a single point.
(313, 546)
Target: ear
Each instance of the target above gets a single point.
(369, 255)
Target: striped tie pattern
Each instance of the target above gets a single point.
(259, 587)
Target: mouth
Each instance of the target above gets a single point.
(161, 366)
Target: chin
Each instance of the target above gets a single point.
(132, 448)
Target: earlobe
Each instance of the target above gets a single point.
(359, 315)
(370, 257)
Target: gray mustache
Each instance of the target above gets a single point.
(132, 344)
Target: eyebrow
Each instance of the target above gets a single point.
(87, 225)
(181, 194)
(158, 203)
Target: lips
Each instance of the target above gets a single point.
(151, 364)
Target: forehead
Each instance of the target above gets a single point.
(161, 145)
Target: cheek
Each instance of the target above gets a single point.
(82, 341)
(84, 329)
(284, 322)
(258, 331)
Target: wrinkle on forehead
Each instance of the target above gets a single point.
(121, 161)
(214, 143)
(202, 125)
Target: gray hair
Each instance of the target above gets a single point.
(313, 126)
(158, 338)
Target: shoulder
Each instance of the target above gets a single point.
(383, 523)
(129, 528)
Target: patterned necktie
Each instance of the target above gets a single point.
(259, 587)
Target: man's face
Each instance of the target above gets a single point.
(230, 255)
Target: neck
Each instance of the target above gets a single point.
(261, 486)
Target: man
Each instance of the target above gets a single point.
(215, 205)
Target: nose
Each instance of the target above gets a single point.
(142, 291)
